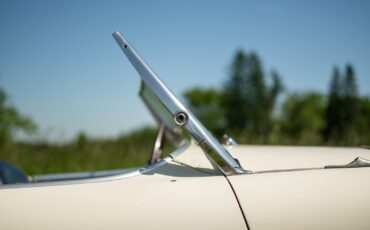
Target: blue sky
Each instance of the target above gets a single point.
(61, 66)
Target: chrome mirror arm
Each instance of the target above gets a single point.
(183, 118)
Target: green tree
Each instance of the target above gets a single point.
(333, 114)
(350, 107)
(343, 112)
(363, 130)
(303, 118)
(206, 104)
(81, 140)
(248, 101)
(11, 121)
(350, 85)
(255, 96)
(233, 99)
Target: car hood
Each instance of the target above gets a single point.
(282, 194)
(267, 158)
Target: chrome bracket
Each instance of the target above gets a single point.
(158, 145)
(356, 163)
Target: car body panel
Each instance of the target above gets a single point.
(266, 158)
(291, 189)
(308, 199)
(197, 159)
(172, 196)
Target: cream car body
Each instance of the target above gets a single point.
(267, 188)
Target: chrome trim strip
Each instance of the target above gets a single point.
(356, 163)
(199, 133)
(184, 146)
(79, 175)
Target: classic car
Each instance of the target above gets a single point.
(203, 184)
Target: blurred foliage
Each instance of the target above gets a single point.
(206, 104)
(247, 101)
(11, 121)
(83, 154)
(343, 115)
(302, 118)
(245, 107)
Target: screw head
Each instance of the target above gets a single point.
(181, 118)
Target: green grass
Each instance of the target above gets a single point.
(83, 154)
